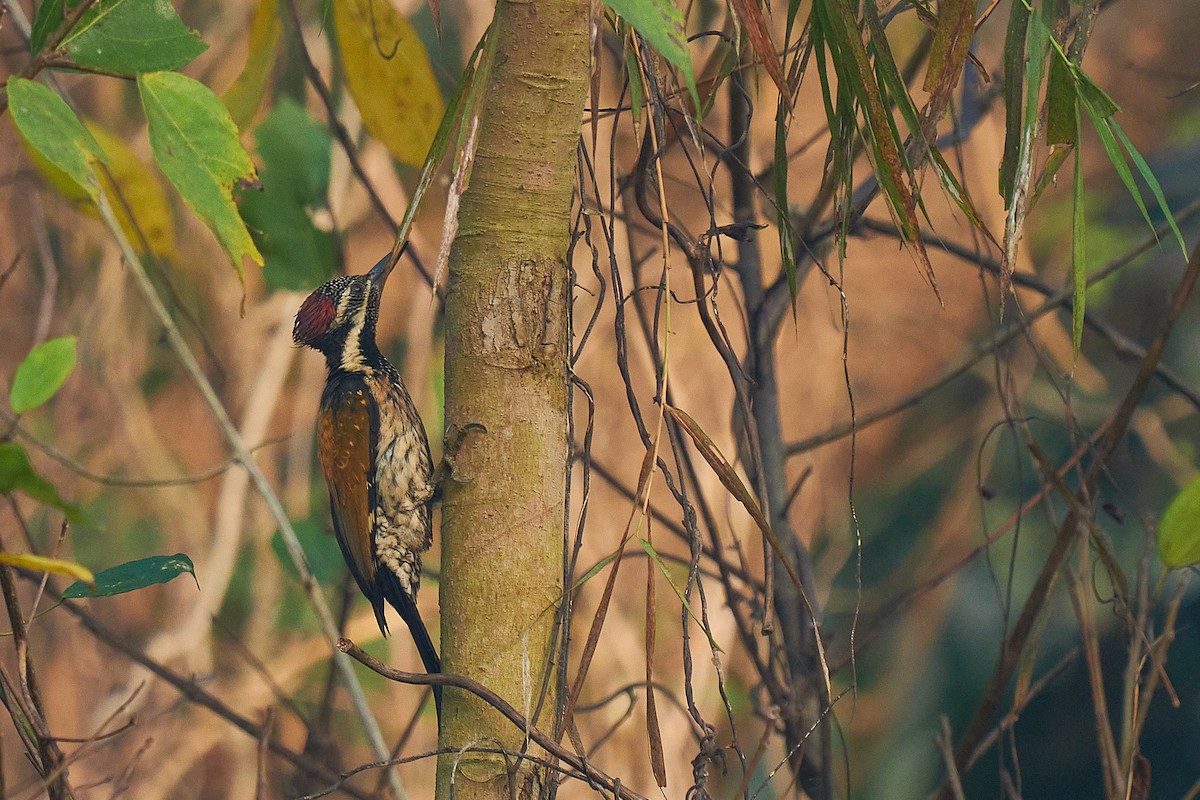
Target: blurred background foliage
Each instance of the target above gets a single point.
(130, 443)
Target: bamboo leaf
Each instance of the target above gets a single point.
(196, 145)
(1014, 83)
(473, 80)
(783, 219)
(857, 82)
(42, 373)
(1062, 105)
(729, 478)
(1155, 189)
(948, 53)
(637, 92)
(389, 76)
(1078, 252)
(662, 566)
(1017, 202)
(755, 25)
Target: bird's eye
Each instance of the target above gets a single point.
(356, 291)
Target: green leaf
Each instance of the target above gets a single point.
(1155, 189)
(661, 24)
(637, 92)
(324, 556)
(471, 82)
(17, 475)
(295, 152)
(872, 86)
(50, 127)
(1062, 124)
(1014, 80)
(1179, 531)
(783, 219)
(132, 575)
(657, 559)
(129, 36)
(144, 215)
(1101, 109)
(49, 17)
(42, 373)
(1078, 250)
(196, 145)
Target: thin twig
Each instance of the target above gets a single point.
(194, 693)
(1014, 646)
(497, 702)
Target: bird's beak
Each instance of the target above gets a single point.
(379, 273)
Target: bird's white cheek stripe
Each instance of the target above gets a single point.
(351, 352)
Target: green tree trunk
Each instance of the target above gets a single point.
(507, 351)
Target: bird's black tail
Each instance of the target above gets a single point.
(407, 609)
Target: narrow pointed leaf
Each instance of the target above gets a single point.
(1078, 253)
(755, 25)
(1061, 104)
(196, 145)
(131, 576)
(1155, 189)
(662, 567)
(42, 373)
(729, 478)
(947, 57)
(1014, 83)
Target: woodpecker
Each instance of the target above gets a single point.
(373, 451)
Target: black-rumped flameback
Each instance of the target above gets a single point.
(373, 450)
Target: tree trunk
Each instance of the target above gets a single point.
(507, 351)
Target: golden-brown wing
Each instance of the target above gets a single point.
(344, 447)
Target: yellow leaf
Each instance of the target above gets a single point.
(245, 95)
(138, 184)
(42, 564)
(389, 76)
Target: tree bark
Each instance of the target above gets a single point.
(507, 351)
